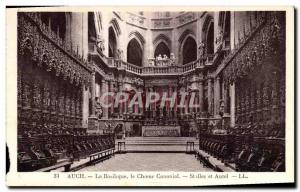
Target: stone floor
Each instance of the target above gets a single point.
(149, 162)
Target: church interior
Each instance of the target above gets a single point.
(230, 63)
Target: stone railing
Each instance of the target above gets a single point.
(162, 70)
(161, 62)
(192, 65)
(154, 69)
(118, 63)
(131, 67)
(209, 59)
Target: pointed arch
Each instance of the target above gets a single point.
(160, 38)
(209, 40)
(112, 42)
(189, 50)
(187, 34)
(134, 52)
(207, 21)
(184, 35)
(136, 34)
(162, 49)
(114, 31)
(114, 23)
(208, 34)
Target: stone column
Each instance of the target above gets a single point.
(232, 105)
(130, 108)
(175, 105)
(186, 106)
(226, 98)
(104, 90)
(93, 94)
(201, 93)
(217, 95)
(209, 96)
(135, 106)
(140, 107)
(169, 103)
(154, 105)
(79, 33)
(111, 90)
(122, 104)
(85, 107)
(105, 25)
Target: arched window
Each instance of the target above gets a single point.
(189, 50)
(162, 49)
(57, 22)
(210, 39)
(134, 53)
(112, 43)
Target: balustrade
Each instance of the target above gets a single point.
(158, 69)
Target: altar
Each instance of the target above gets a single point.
(160, 131)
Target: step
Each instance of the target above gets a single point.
(157, 138)
(157, 144)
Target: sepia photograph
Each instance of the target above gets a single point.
(103, 92)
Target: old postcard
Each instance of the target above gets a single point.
(150, 96)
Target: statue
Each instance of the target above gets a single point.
(151, 62)
(165, 60)
(99, 111)
(219, 38)
(100, 44)
(120, 54)
(172, 59)
(159, 59)
(201, 49)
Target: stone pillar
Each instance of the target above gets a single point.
(79, 33)
(93, 94)
(93, 120)
(209, 96)
(226, 98)
(140, 107)
(232, 29)
(111, 84)
(105, 25)
(169, 103)
(201, 93)
(135, 106)
(104, 90)
(232, 105)
(122, 104)
(217, 95)
(186, 103)
(85, 35)
(175, 105)
(85, 107)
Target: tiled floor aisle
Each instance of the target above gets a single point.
(149, 162)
